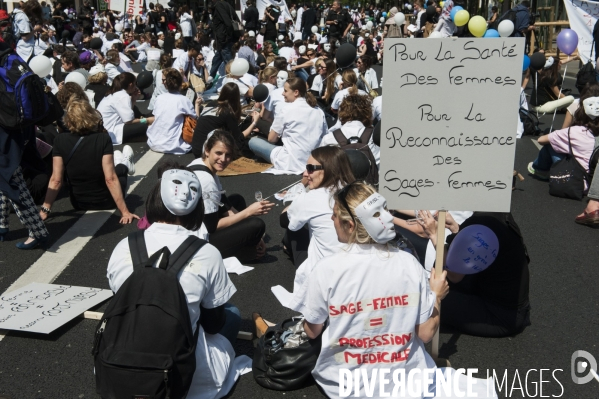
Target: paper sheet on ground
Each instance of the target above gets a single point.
(233, 265)
(274, 171)
(244, 166)
(282, 295)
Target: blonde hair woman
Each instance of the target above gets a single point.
(97, 175)
(348, 86)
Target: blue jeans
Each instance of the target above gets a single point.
(221, 56)
(232, 323)
(302, 74)
(261, 147)
(547, 157)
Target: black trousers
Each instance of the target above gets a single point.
(297, 243)
(121, 172)
(240, 239)
(474, 315)
(135, 132)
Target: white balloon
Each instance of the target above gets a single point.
(399, 18)
(240, 67)
(369, 24)
(251, 33)
(435, 35)
(505, 28)
(118, 27)
(41, 65)
(382, 19)
(314, 29)
(78, 78)
(409, 6)
(281, 37)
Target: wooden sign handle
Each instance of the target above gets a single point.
(438, 271)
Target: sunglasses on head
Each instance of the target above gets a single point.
(311, 168)
(342, 195)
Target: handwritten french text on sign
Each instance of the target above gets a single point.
(135, 7)
(42, 308)
(448, 134)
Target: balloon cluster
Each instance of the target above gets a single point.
(477, 25)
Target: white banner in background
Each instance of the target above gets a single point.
(135, 7)
(262, 4)
(116, 5)
(582, 16)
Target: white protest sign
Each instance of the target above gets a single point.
(135, 7)
(116, 5)
(582, 16)
(448, 135)
(42, 308)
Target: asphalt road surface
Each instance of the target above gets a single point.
(563, 294)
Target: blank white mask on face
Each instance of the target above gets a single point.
(282, 77)
(591, 107)
(180, 191)
(377, 221)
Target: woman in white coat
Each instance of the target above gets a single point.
(175, 209)
(300, 126)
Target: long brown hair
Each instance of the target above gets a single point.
(350, 81)
(331, 75)
(337, 169)
(228, 100)
(224, 137)
(299, 85)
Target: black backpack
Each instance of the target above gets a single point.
(144, 346)
(530, 122)
(509, 14)
(586, 74)
(360, 144)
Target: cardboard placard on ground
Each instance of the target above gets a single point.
(448, 135)
(42, 308)
(244, 166)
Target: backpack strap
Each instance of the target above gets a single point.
(184, 253)
(366, 135)
(340, 137)
(138, 250)
(202, 168)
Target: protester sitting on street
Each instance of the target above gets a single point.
(112, 67)
(165, 62)
(118, 114)
(234, 228)
(97, 83)
(226, 115)
(170, 110)
(367, 79)
(363, 223)
(546, 96)
(492, 303)
(355, 115)
(300, 126)
(175, 209)
(96, 174)
(580, 136)
(349, 86)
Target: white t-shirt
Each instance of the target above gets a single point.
(373, 298)
(211, 187)
(185, 22)
(318, 85)
(276, 101)
(369, 77)
(205, 282)
(268, 103)
(244, 87)
(341, 94)
(159, 88)
(182, 63)
(116, 110)
(301, 128)
(112, 71)
(315, 208)
(287, 52)
(353, 129)
(377, 108)
(164, 135)
(21, 26)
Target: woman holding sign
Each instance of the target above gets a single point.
(492, 302)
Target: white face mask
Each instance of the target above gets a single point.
(327, 47)
(377, 221)
(591, 107)
(282, 77)
(180, 191)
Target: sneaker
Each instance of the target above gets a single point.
(538, 173)
(118, 157)
(128, 159)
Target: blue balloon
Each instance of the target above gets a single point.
(472, 250)
(454, 11)
(384, 14)
(526, 63)
(491, 33)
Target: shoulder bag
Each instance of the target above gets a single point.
(237, 26)
(189, 126)
(567, 177)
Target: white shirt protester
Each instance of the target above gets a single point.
(341, 94)
(164, 135)
(116, 110)
(185, 23)
(369, 77)
(205, 282)
(300, 127)
(377, 108)
(211, 187)
(352, 129)
(22, 26)
(112, 71)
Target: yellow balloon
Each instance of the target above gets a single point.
(477, 26)
(461, 18)
(441, 3)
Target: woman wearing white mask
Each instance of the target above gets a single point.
(581, 136)
(546, 94)
(175, 209)
(300, 126)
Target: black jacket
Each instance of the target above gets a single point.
(222, 24)
(251, 17)
(308, 19)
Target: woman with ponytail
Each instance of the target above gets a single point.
(299, 126)
(349, 86)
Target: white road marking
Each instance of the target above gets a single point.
(535, 142)
(53, 262)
